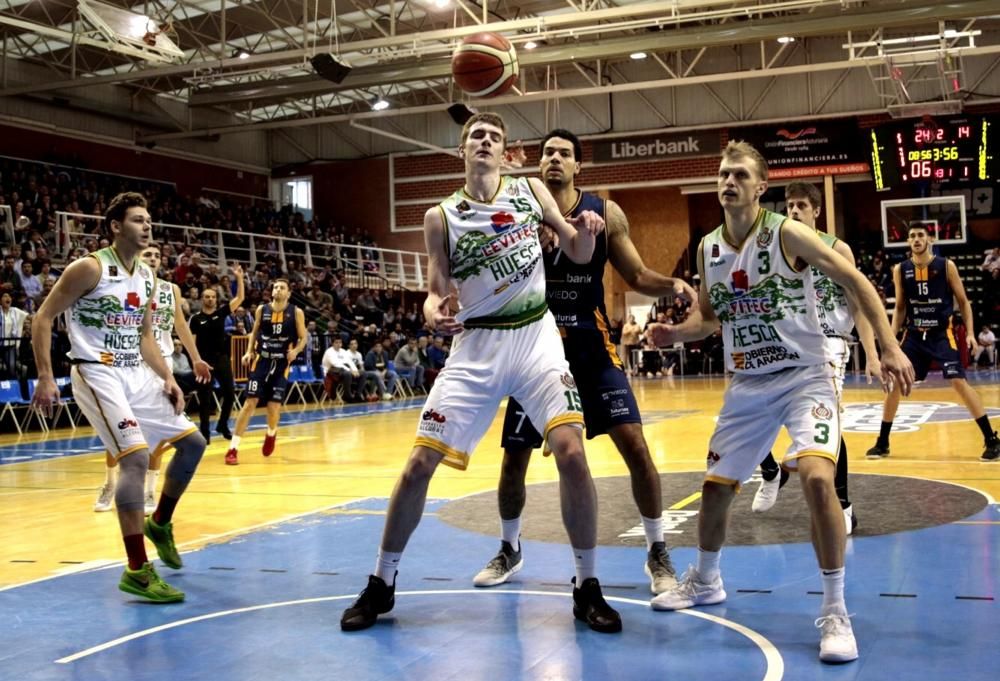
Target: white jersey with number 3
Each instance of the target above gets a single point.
(767, 305)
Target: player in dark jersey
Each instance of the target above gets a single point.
(278, 336)
(927, 287)
(575, 295)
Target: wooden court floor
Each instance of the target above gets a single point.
(334, 456)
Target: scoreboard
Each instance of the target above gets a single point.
(958, 151)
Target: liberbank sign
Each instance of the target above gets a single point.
(657, 147)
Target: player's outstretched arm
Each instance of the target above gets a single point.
(578, 236)
(437, 309)
(625, 258)
(701, 323)
(80, 277)
(800, 241)
(237, 300)
(202, 370)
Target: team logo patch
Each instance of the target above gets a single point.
(715, 250)
(568, 381)
(431, 415)
(501, 222)
(465, 211)
(513, 190)
(132, 302)
(144, 273)
(822, 412)
(740, 283)
(739, 360)
(712, 457)
(112, 270)
(764, 238)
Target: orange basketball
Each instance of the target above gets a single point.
(484, 65)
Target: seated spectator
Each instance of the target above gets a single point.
(377, 369)
(408, 365)
(10, 278)
(359, 364)
(238, 317)
(437, 353)
(338, 367)
(181, 368)
(987, 344)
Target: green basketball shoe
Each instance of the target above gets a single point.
(162, 537)
(145, 583)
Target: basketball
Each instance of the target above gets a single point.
(484, 65)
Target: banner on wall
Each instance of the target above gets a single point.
(666, 145)
(808, 149)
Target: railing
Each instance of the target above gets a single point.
(365, 266)
(7, 223)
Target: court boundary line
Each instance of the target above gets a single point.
(105, 563)
(775, 670)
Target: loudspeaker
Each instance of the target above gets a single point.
(330, 67)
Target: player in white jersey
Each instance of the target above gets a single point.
(756, 281)
(485, 238)
(167, 318)
(123, 386)
(804, 202)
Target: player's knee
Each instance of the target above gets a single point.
(817, 479)
(129, 492)
(712, 491)
(421, 465)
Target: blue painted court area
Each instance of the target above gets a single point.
(267, 606)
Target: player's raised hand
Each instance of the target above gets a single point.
(202, 371)
(236, 269)
(444, 322)
(588, 221)
(46, 395)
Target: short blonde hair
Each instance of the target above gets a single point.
(491, 119)
(743, 149)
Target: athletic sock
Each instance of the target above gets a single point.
(708, 564)
(769, 468)
(234, 442)
(586, 564)
(510, 532)
(272, 433)
(135, 549)
(883, 434)
(386, 565)
(164, 510)
(653, 527)
(833, 591)
(984, 425)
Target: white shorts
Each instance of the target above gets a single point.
(841, 352)
(487, 365)
(804, 400)
(127, 407)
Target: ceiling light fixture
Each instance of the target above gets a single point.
(380, 104)
(637, 56)
(530, 45)
(785, 39)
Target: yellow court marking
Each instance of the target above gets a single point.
(686, 501)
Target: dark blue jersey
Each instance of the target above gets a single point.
(930, 302)
(278, 331)
(574, 292)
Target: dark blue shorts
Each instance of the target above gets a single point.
(268, 379)
(604, 389)
(922, 348)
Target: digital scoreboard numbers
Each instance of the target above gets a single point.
(956, 151)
